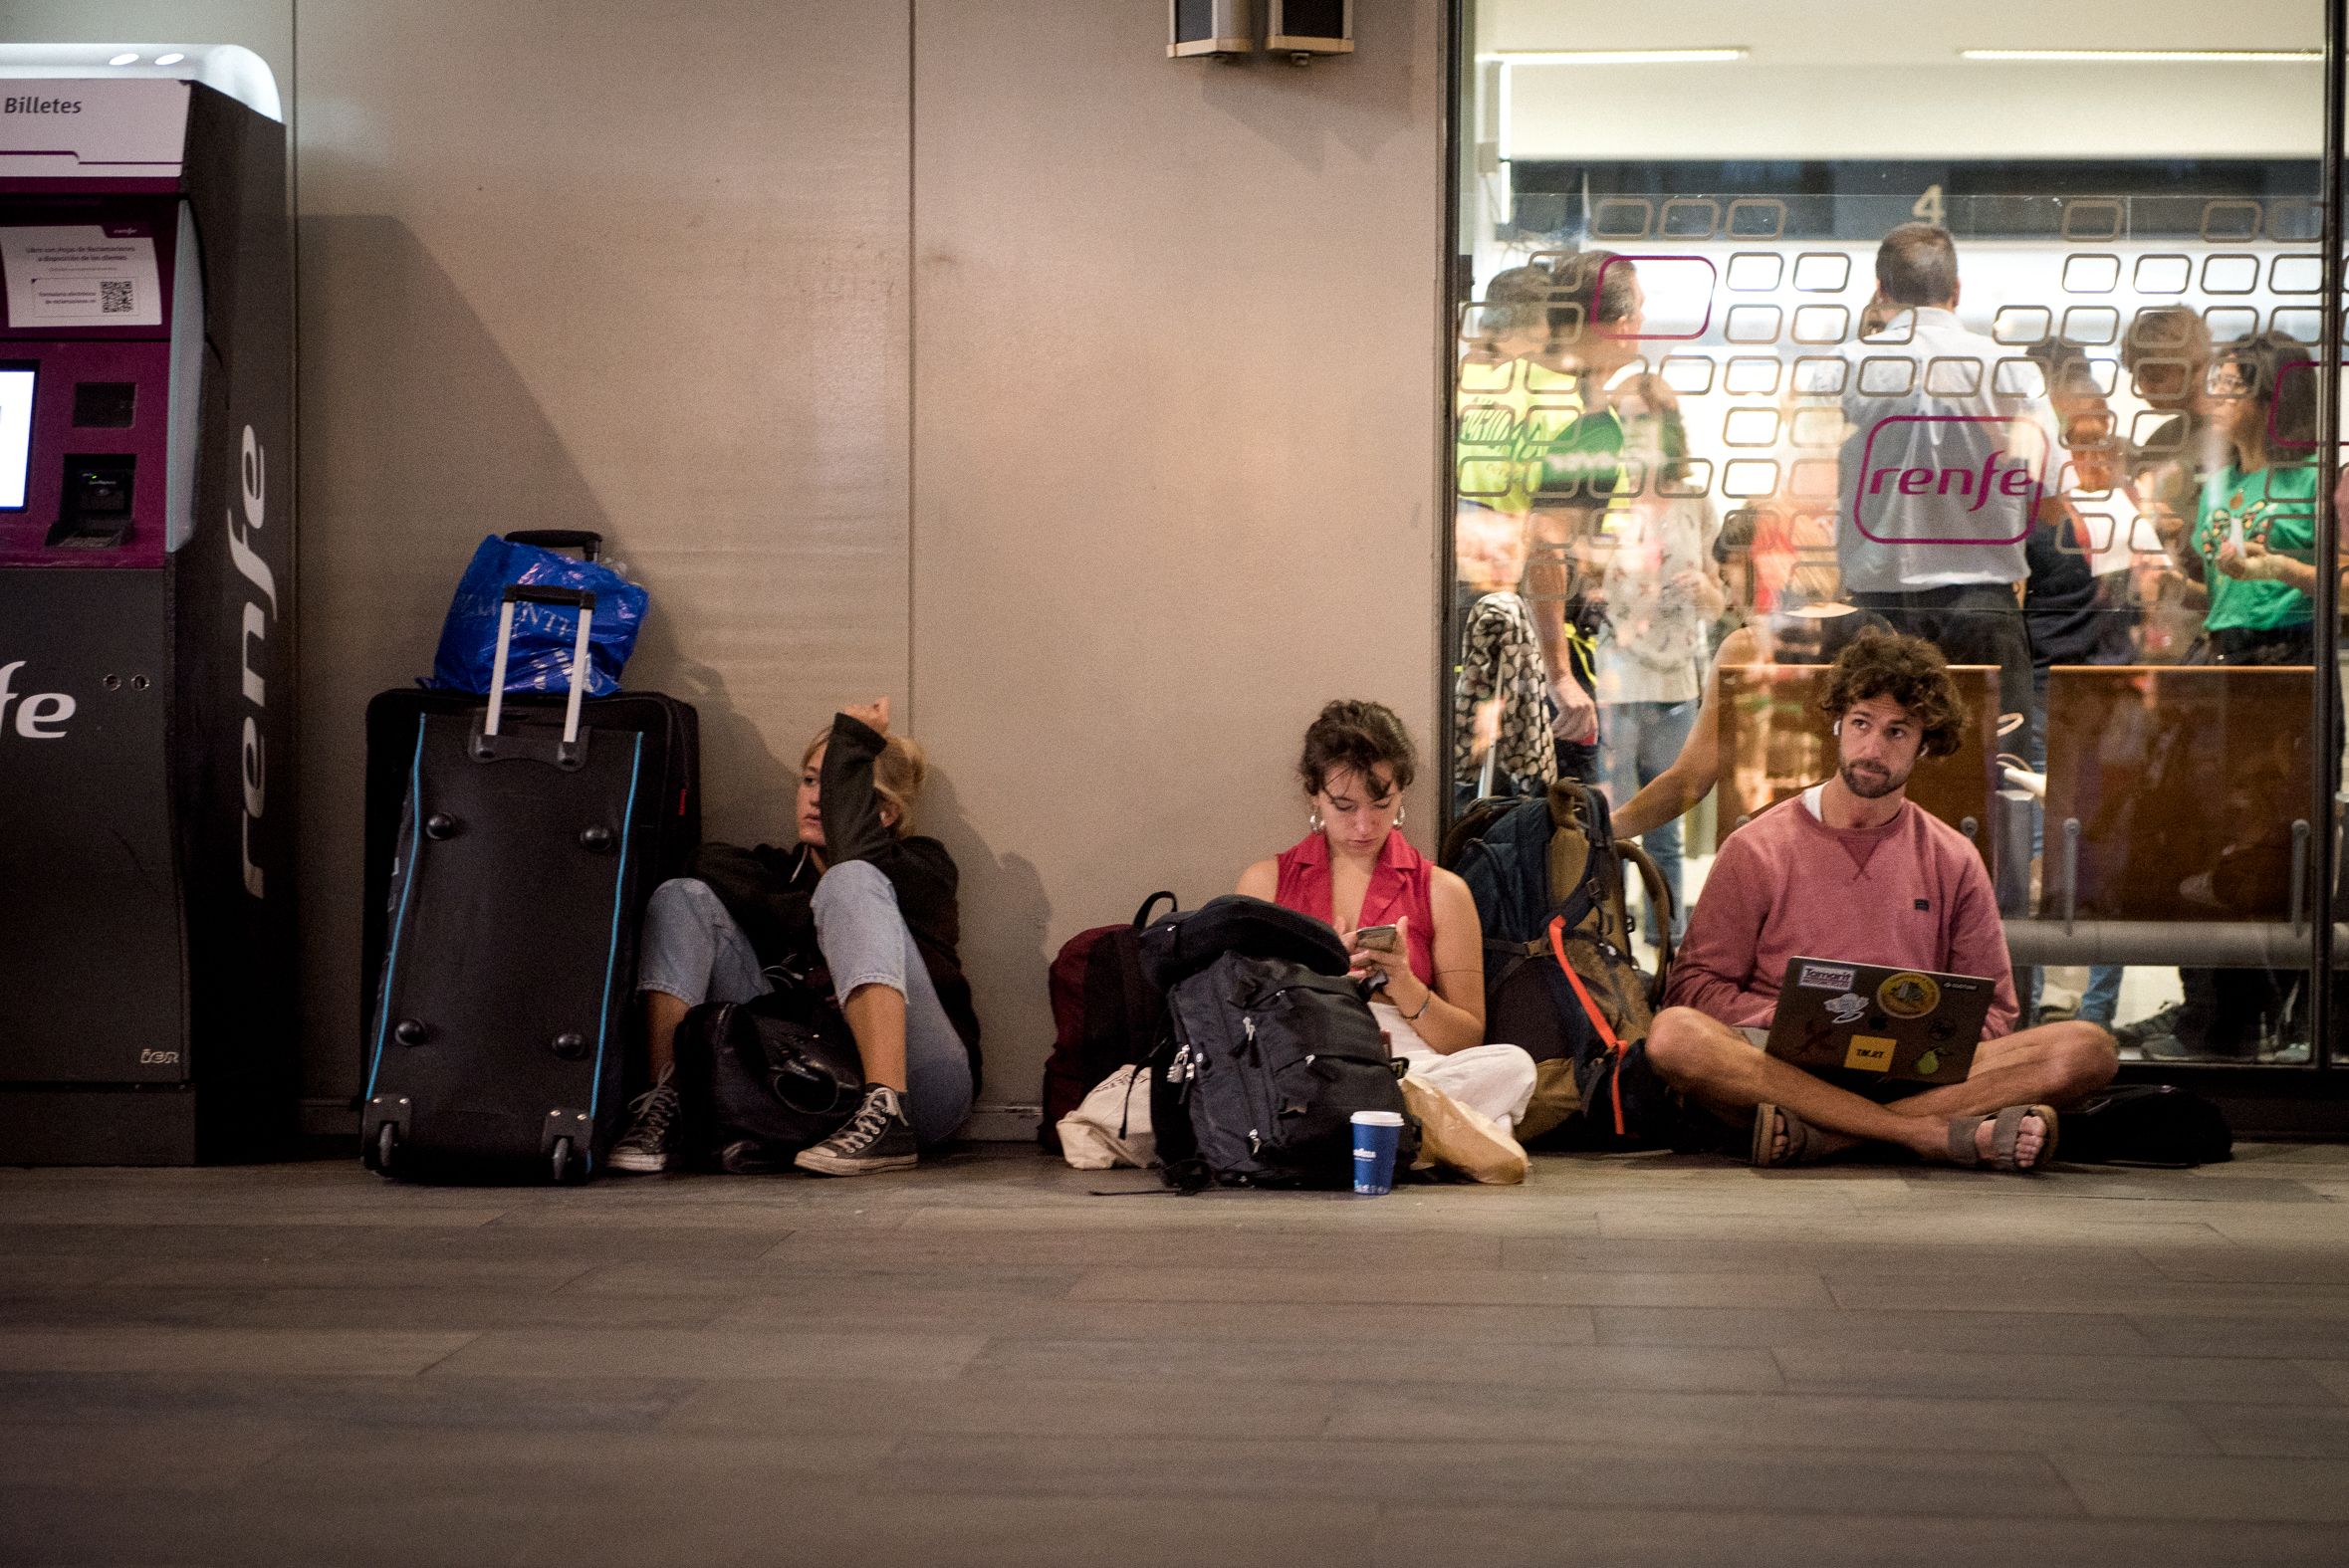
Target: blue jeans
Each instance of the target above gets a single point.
(2102, 999)
(1642, 740)
(694, 951)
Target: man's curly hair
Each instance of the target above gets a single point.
(1910, 671)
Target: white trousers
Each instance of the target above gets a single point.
(1496, 1080)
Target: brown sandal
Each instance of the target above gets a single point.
(2006, 1131)
(1805, 1143)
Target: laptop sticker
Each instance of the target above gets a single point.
(1848, 1007)
(1825, 976)
(1928, 1064)
(1869, 1053)
(1909, 995)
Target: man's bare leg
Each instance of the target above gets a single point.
(2055, 1065)
(1719, 1067)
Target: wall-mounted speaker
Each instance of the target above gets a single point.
(1310, 27)
(1209, 27)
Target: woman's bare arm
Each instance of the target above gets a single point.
(1675, 791)
(1455, 1016)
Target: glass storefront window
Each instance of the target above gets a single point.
(1730, 389)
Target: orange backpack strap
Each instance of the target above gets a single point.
(1598, 1019)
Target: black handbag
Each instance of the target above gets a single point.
(760, 1080)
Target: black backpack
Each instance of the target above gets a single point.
(1270, 1050)
(760, 1080)
(2145, 1124)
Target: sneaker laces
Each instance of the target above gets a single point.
(871, 1121)
(653, 1110)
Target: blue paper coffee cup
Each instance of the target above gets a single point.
(1377, 1134)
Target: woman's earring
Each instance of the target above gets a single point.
(1313, 820)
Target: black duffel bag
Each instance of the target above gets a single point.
(760, 1080)
(2156, 1124)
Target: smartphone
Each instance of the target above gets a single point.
(2235, 534)
(1375, 939)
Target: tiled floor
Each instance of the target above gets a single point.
(1647, 1360)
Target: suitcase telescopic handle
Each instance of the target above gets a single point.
(538, 593)
(588, 543)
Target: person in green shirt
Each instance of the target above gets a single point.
(1536, 440)
(2254, 538)
(2251, 546)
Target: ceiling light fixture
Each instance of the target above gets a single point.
(2151, 56)
(126, 58)
(1611, 57)
(171, 58)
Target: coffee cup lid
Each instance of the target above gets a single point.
(1378, 1118)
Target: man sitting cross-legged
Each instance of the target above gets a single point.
(1851, 872)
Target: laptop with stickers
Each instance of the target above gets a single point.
(1906, 1023)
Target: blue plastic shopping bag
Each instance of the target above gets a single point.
(543, 634)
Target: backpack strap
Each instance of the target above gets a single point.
(1598, 1019)
(1659, 899)
(1142, 915)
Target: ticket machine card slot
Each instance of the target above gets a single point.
(94, 510)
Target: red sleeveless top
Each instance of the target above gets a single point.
(1401, 885)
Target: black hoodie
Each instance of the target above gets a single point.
(770, 891)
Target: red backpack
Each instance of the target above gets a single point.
(1106, 1015)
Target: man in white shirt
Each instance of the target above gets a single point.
(1950, 448)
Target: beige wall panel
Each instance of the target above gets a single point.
(636, 269)
(1176, 432)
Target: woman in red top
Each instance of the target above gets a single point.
(1357, 871)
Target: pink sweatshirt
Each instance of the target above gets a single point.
(1912, 894)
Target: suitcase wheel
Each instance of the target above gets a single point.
(383, 1150)
(562, 1163)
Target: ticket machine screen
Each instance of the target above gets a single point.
(16, 433)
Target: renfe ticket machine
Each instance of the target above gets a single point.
(147, 608)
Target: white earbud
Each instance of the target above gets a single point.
(1836, 728)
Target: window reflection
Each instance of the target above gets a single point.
(2069, 439)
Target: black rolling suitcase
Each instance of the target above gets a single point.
(511, 848)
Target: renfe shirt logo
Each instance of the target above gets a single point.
(1988, 498)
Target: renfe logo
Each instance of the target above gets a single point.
(1999, 479)
(250, 567)
(39, 715)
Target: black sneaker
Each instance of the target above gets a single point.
(2161, 1027)
(875, 1139)
(644, 1147)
